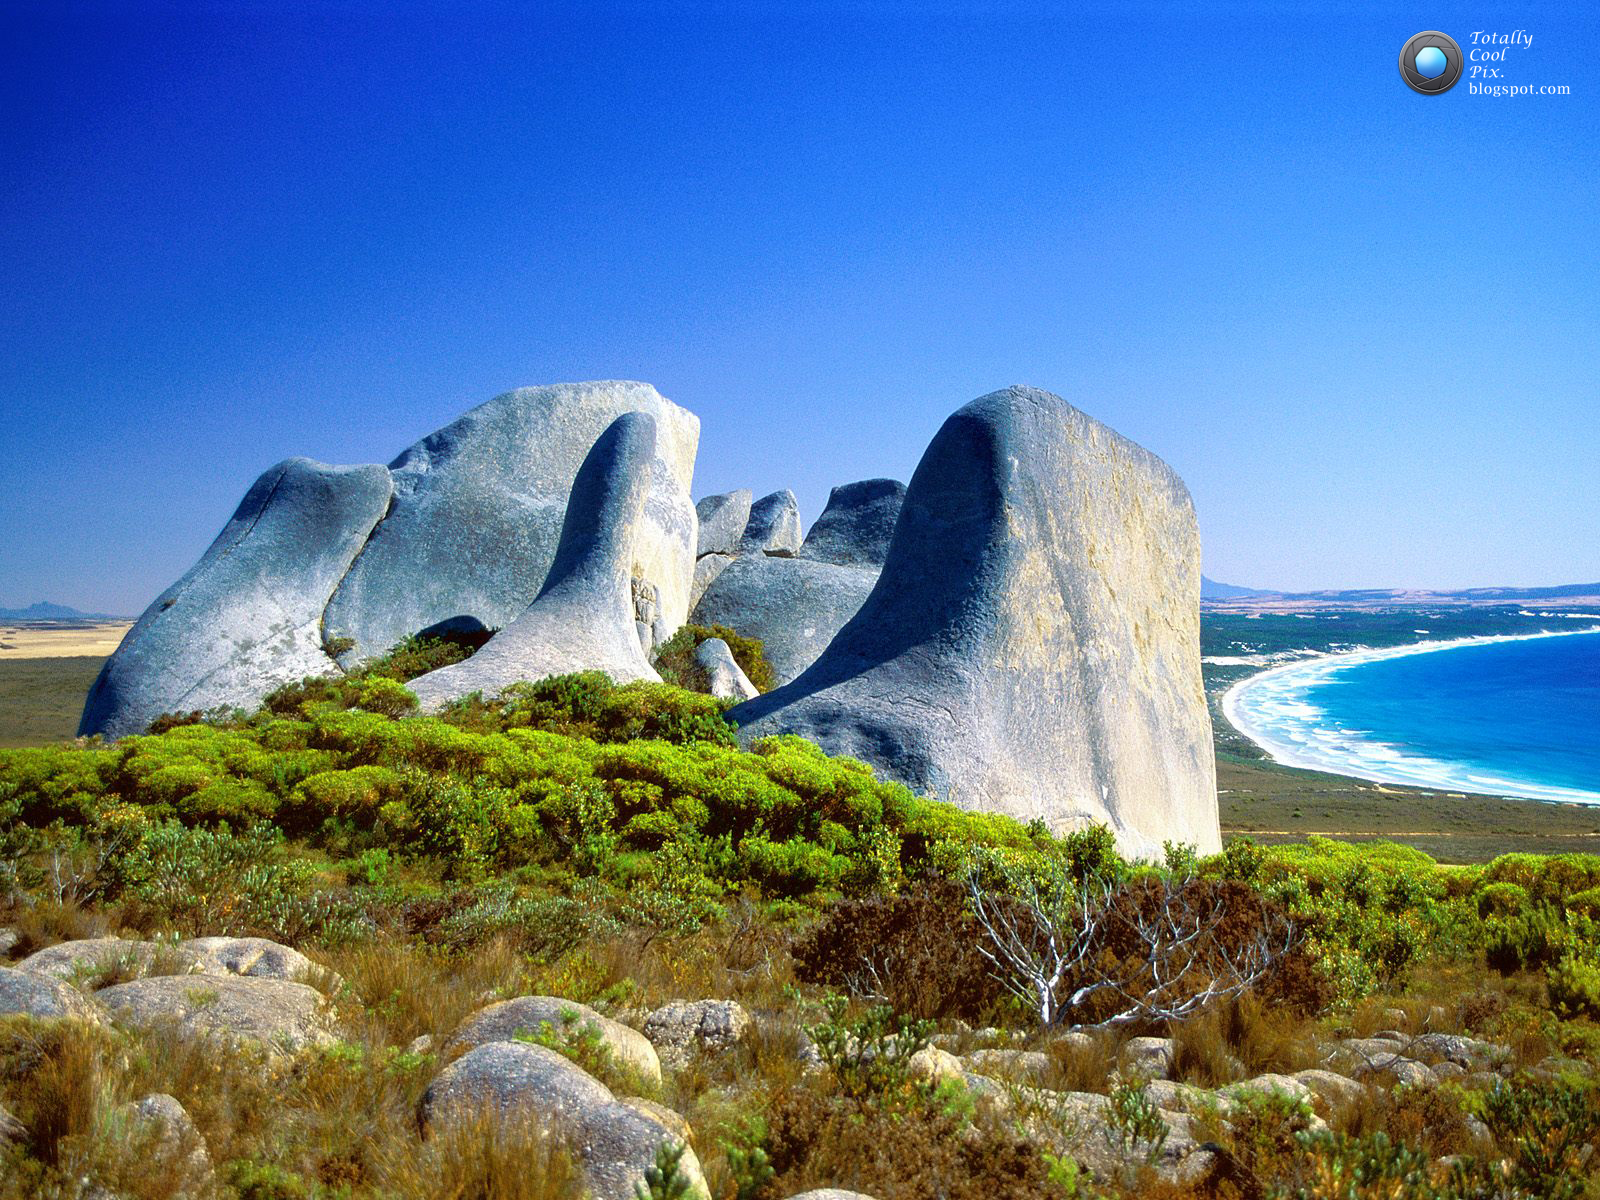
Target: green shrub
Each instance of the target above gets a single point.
(1575, 985)
(1502, 900)
(1528, 940)
(1586, 902)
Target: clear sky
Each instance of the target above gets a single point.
(1361, 323)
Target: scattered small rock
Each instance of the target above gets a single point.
(1011, 1064)
(613, 1141)
(1332, 1088)
(503, 1021)
(677, 1029)
(176, 1144)
(1149, 1057)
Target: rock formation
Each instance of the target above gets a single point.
(722, 522)
(460, 534)
(796, 605)
(248, 616)
(1032, 644)
(478, 509)
(584, 619)
(774, 525)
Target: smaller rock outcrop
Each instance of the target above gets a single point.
(683, 1027)
(774, 526)
(724, 676)
(168, 1137)
(722, 522)
(503, 1021)
(585, 618)
(22, 993)
(538, 1090)
(855, 528)
(284, 1017)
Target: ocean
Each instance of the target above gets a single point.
(1512, 716)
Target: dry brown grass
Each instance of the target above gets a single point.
(1241, 1038)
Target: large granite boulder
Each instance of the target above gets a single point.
(774, 525)
(526, 1088)
(796, 606)
(479, 508)
(856, 527)
(722, 521)
(1032, 644)
(247, 617)
(584, 619)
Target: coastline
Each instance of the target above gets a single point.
(1319, 749)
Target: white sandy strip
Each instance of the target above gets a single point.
(1274, 710)
(88, 640)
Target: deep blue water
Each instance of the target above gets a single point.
(1517, 717)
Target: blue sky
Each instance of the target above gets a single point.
(1361, 323)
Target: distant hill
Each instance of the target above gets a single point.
(1210, 589)
(1222, 596)
(45, 611)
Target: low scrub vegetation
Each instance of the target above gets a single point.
(615, 846)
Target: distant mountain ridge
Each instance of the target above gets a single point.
(1225, 595)
(46, 611)
(1210, 589)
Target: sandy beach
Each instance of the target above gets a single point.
(60, 639)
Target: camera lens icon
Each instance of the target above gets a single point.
(1430, 63)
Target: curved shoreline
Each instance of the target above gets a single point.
(1323, 749)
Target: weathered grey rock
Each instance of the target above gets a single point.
(855, 528)
(774, 526)
(681, 1027)
(1183, 1097)
(164, 1131)
(257, 958)
(9, 937)
(280, 1015)
(934, 1065)
(501, 1022)
(542, 1091)
(796, 606)
(1148, 1057)
(830, 1194)
(1032, 644)
(724, 676)
(1332, 1088)
(672, 1121)
(1011, 1064)
(22, 993)
(75, 960)
(247, 618)
(478, 514)
(585, 617)
(1082, 1128)
(1268, 1084)
(722, 522)
(1464, 1051)
(706, 571)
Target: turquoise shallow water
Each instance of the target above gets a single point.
(1509, 716)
